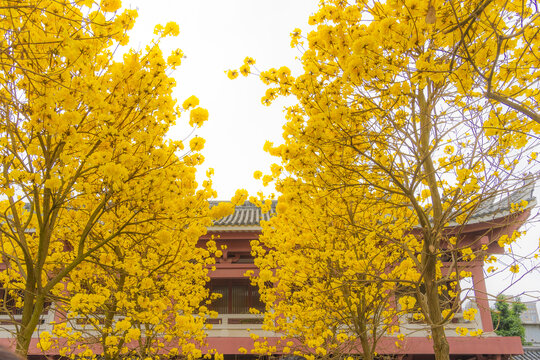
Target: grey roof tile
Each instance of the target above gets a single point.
(248, 214)
(491, 209)
(528, 354)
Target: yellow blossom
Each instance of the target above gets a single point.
(198, 116)
(171, 28)
(110, 5)
(232, 74)
(196, 144)
(190, 102)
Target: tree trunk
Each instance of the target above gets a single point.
(431, 235)
(31, 313)
(440, 342)
(367, 348)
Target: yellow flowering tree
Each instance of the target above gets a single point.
(395, 112)
(89, 183)
(328, 281)
(142, 295)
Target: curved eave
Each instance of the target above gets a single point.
(494, 220)
(245, 218)
(230, 228)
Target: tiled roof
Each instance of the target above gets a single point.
(249, 214)
(491, 210)
(528, 354)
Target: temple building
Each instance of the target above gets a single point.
(230, 329)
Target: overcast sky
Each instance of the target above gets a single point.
(217, 35)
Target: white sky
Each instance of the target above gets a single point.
(215, 36)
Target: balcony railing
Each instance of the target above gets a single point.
(8, 323)
(236, 321)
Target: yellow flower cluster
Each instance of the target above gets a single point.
(198, 116)
(390, 141)
(470, 314)
(108, 215)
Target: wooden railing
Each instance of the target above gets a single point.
(236, 321)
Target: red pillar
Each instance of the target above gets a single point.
(481, 295)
